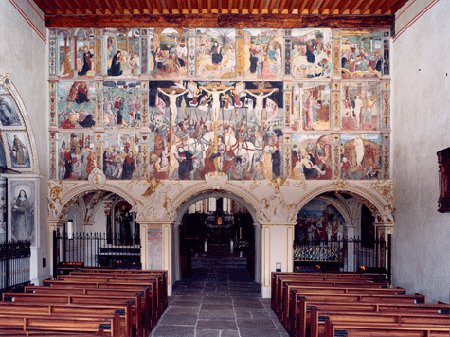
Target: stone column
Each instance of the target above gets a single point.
(277, 248)
(176, 253)
(3, 209)
(351, 258)
(385, 232)
(257, 230)
(156, 248)
(54, 225)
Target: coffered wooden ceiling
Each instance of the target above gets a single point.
(201, 13)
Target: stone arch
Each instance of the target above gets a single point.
(339, 206)
(74, 193)
(375, 204)
(199, 191)
(7, 88)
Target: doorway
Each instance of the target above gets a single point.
(217, 231)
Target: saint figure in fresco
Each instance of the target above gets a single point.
(115, 65)
(87, 61)
(22, 217)
(19, 151)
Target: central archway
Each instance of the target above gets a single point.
(237, 237)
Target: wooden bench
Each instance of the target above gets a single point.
(109, 326)
(85, 300)
(276, 277)
(324, 281)
(148, 304)
(298, 306)
(349, 288)
(360, 330)
(154, 281)
(319, 317)
(307, 322)
(132, 273)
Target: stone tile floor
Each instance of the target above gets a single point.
(218, 302)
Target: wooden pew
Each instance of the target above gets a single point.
(344, 307)
(86, 300)
(349, 288)
(417, 318)
(151, 281)
(298, 306)
(364, 330)
(276, 277)
(329, 281)
(130, 272)
(47, 333)
(126, 311)
(109, 326)
(147, 305)
(134, 274)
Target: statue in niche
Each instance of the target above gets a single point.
(124, 220)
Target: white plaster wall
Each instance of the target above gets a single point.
(421, 127)
(23, 54)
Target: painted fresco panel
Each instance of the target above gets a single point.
(77, 155)
(169, 53)
(76, 103)
(215, 53)
(319, 220)
(361, 106)
(76, 48)
(121, 104)
(121, 157)
(123, 50)
(313, 105)
(225, 126)
(361, 156)
(311, 55)
(19, 149)
(263, 53)
(361, 54)
(9, 112)
(311, 157)
(22, 211)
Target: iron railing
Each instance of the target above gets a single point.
(96, 250)
(344, 255)
(14, 265)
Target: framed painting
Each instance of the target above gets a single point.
(9, 112)
(23, 209)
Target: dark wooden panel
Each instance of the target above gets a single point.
(221, 20)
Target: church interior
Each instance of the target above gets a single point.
(225, 168)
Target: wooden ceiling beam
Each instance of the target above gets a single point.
(294, 5)
(220, 20)
(365, 9)
(357, 7)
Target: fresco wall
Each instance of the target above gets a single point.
(175, 103)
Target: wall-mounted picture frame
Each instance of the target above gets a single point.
(444, 180)
(23, 210)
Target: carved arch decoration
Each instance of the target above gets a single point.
(61, 195)
(15, 124)
(377, 196)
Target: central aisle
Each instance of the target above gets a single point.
(218, 302)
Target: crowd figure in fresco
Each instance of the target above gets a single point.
(209, 134)
(315, 110)
(77, 112)
(121, 161)
(312, 161)
(77, 157)
(311, 57)
(357, 62)
(121, 107)
(265, 59)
